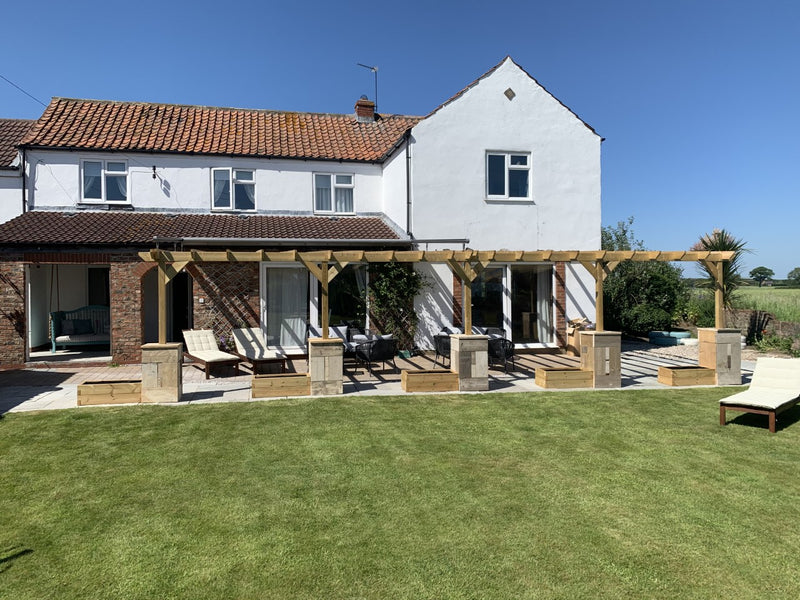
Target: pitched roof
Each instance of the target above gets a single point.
(138, 126)
(134, 228)
(11, 133)
(457, 95)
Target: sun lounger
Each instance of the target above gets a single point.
(775, 387)
(252, 348)
(202, 347)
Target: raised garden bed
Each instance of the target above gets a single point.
(563, 378)
(110, 392)
(276, 385)
(690, 375)
(433, 380)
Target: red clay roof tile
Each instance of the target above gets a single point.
(138, 126)
(11, 133)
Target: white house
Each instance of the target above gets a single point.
(501, 165)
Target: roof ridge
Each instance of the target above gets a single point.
(224, 108)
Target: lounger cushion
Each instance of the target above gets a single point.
(776, 381)
(211, 356)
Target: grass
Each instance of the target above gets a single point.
(783, 303)
(616, 494)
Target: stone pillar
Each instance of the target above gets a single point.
(601, 353)
(162, 374)
(325, 358)
(721, 350)
(469, 357)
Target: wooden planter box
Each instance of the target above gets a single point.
(275, 385)
(563, 378)
(687, 376)
(109, 392)
(434, 380)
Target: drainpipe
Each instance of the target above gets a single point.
(22, 166)
(408, 185)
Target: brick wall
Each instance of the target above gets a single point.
(125, 280)
(12, 311)
(458, 302)
(225, 296)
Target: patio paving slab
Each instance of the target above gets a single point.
(55, 386)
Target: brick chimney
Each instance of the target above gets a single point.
(365, 110)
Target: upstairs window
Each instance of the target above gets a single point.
(333, 193)
(104, 181)
(233, 189)
(508, 175)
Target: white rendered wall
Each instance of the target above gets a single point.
(183, 183)
(449, 174)
(10, 194)
(394, 189)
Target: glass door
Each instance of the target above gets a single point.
(531, 304)
(284, 302)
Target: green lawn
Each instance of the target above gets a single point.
(619, 494)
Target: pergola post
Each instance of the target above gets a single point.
(162, 302)
(324, 281)
(719, 301)
(598, 296)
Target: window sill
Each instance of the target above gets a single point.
(509, 200)
(334, 214)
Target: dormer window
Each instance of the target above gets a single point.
(233, 189)
(333, 193)
(104, 181)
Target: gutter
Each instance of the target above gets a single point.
(214, 241)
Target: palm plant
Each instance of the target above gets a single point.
(722, 240)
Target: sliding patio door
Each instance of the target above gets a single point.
(531, 304)
(285, 306)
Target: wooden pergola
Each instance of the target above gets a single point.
(467, 265)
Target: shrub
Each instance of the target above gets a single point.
(392, 289)
(776, 342)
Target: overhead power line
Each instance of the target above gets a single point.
(23, 91)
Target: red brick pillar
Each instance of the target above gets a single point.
(560, 294)
(125, 283)
(458, 302)
(12, 311)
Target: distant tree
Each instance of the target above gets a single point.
(721, 240)
(761, 274)
(794, 276)
(639, 296)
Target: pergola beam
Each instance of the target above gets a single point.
(467, 265)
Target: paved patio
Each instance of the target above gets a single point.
(52, 383)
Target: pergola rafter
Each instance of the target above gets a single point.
(467, 265)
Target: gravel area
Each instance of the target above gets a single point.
(691, 352)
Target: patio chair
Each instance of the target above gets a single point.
(774, 388)
(501, 350)
(202, 347)
(441, 344)
(251, 347)
(381, 349)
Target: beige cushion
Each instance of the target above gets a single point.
(202, 345)
(250, 343)
(775, 382)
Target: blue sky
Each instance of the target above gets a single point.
(699, 101)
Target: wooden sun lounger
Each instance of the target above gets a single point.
(202, 347)
(251, 347)
(775, 387)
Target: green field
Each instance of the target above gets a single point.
(782, 303)
(617, 494)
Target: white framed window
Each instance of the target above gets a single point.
(233, 189)
(104, 181)
(508, 175)
(333, 193)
